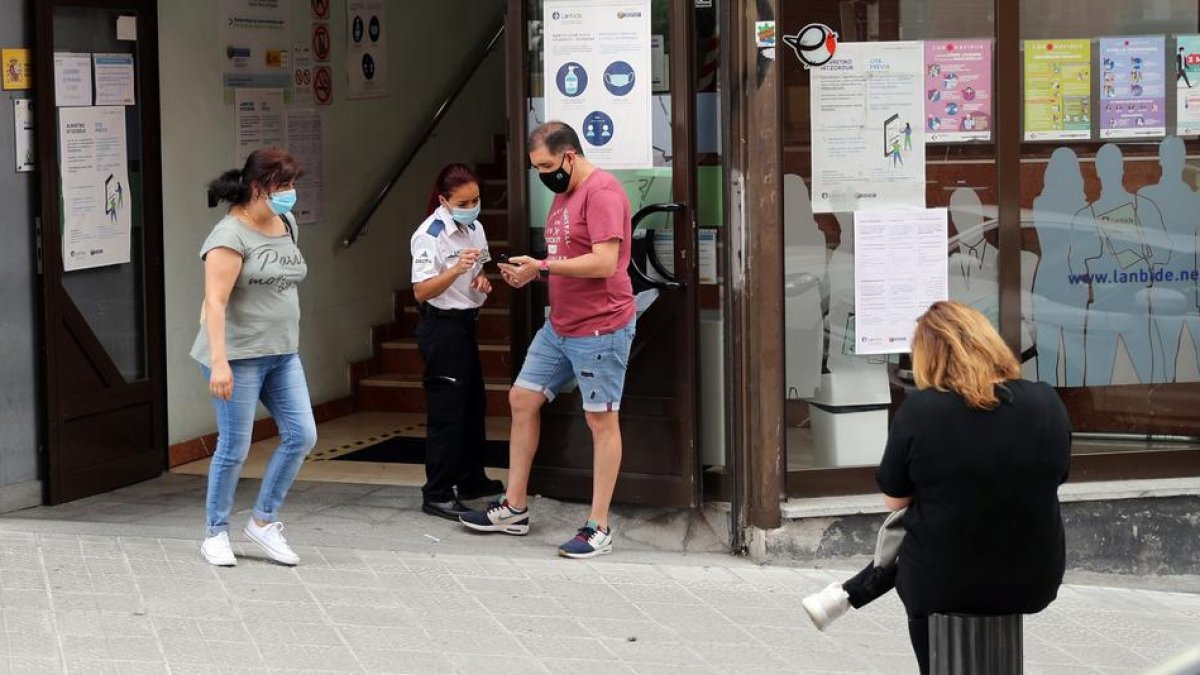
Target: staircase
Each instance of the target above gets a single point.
(390, 380)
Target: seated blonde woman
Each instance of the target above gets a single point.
(971, 472)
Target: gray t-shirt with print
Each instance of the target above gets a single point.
(262, 317)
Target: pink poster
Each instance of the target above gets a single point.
(958, 91)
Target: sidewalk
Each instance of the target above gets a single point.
(80, 596)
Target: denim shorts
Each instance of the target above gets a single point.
(596, 362)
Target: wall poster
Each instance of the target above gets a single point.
(305, 142)
(366, 51)
(1058, 90)
(96, 203)
(255, 43)
(899, 271)
(260, 122)
(72, 79)
(116, 80)
(868, 143)
(958, 91)
(1133, 87)
(598, 77)
(1187, 84)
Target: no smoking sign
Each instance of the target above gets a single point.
(322, 85)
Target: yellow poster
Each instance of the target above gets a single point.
(18, 68)
(1058, 90)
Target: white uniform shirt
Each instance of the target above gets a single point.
(435, 248)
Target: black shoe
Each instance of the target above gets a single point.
(451, 510)
(491, 488)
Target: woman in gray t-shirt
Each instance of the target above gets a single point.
(248, 343)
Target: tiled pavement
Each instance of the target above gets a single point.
(128, 593)
(107, 604)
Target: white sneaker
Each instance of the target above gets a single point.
(217, 551)
(270, 539)
(825, 607)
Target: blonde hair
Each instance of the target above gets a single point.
(956, 349)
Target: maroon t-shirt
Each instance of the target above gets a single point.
(594, 212)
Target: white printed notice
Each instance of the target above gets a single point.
(304, 142)
(868, 140)
(899, 271)
(302, 74)
(366, 49)
(95, 187)
(72, 79)
(254, 43)
(598, 77)
(114, 79)
(260, 122)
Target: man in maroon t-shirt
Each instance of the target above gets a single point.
(587, 338)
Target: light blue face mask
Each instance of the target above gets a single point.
(282, 202)
(466, 216)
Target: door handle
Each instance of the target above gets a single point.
(671, 283)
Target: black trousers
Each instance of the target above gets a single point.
(455, 405)
(874, 582)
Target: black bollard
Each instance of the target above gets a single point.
(964, 644)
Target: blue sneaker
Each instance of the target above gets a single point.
(498, 517)
(590, 542)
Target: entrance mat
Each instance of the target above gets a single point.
(411, 450)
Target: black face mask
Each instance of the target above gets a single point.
(559, 180)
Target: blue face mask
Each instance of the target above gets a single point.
(282, 202)
(466, 216)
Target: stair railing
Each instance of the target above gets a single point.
(473, 64)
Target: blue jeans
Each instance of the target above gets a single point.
(277, 381)
(596, 362)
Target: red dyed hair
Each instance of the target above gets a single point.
(450, 179)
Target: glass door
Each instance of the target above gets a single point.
(659, 409)
(101, 244)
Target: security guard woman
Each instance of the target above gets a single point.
(449, 251)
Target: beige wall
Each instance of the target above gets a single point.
(346, 291)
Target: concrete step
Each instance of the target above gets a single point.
(403, 393)
(401, 357)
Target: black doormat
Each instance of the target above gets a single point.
(411, 450)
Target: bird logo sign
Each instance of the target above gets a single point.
(814, 45)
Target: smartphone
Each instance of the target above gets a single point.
(502, 258)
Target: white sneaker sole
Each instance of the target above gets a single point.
(281, 558)
(515, 530)
(603, 550)
(217, 561)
